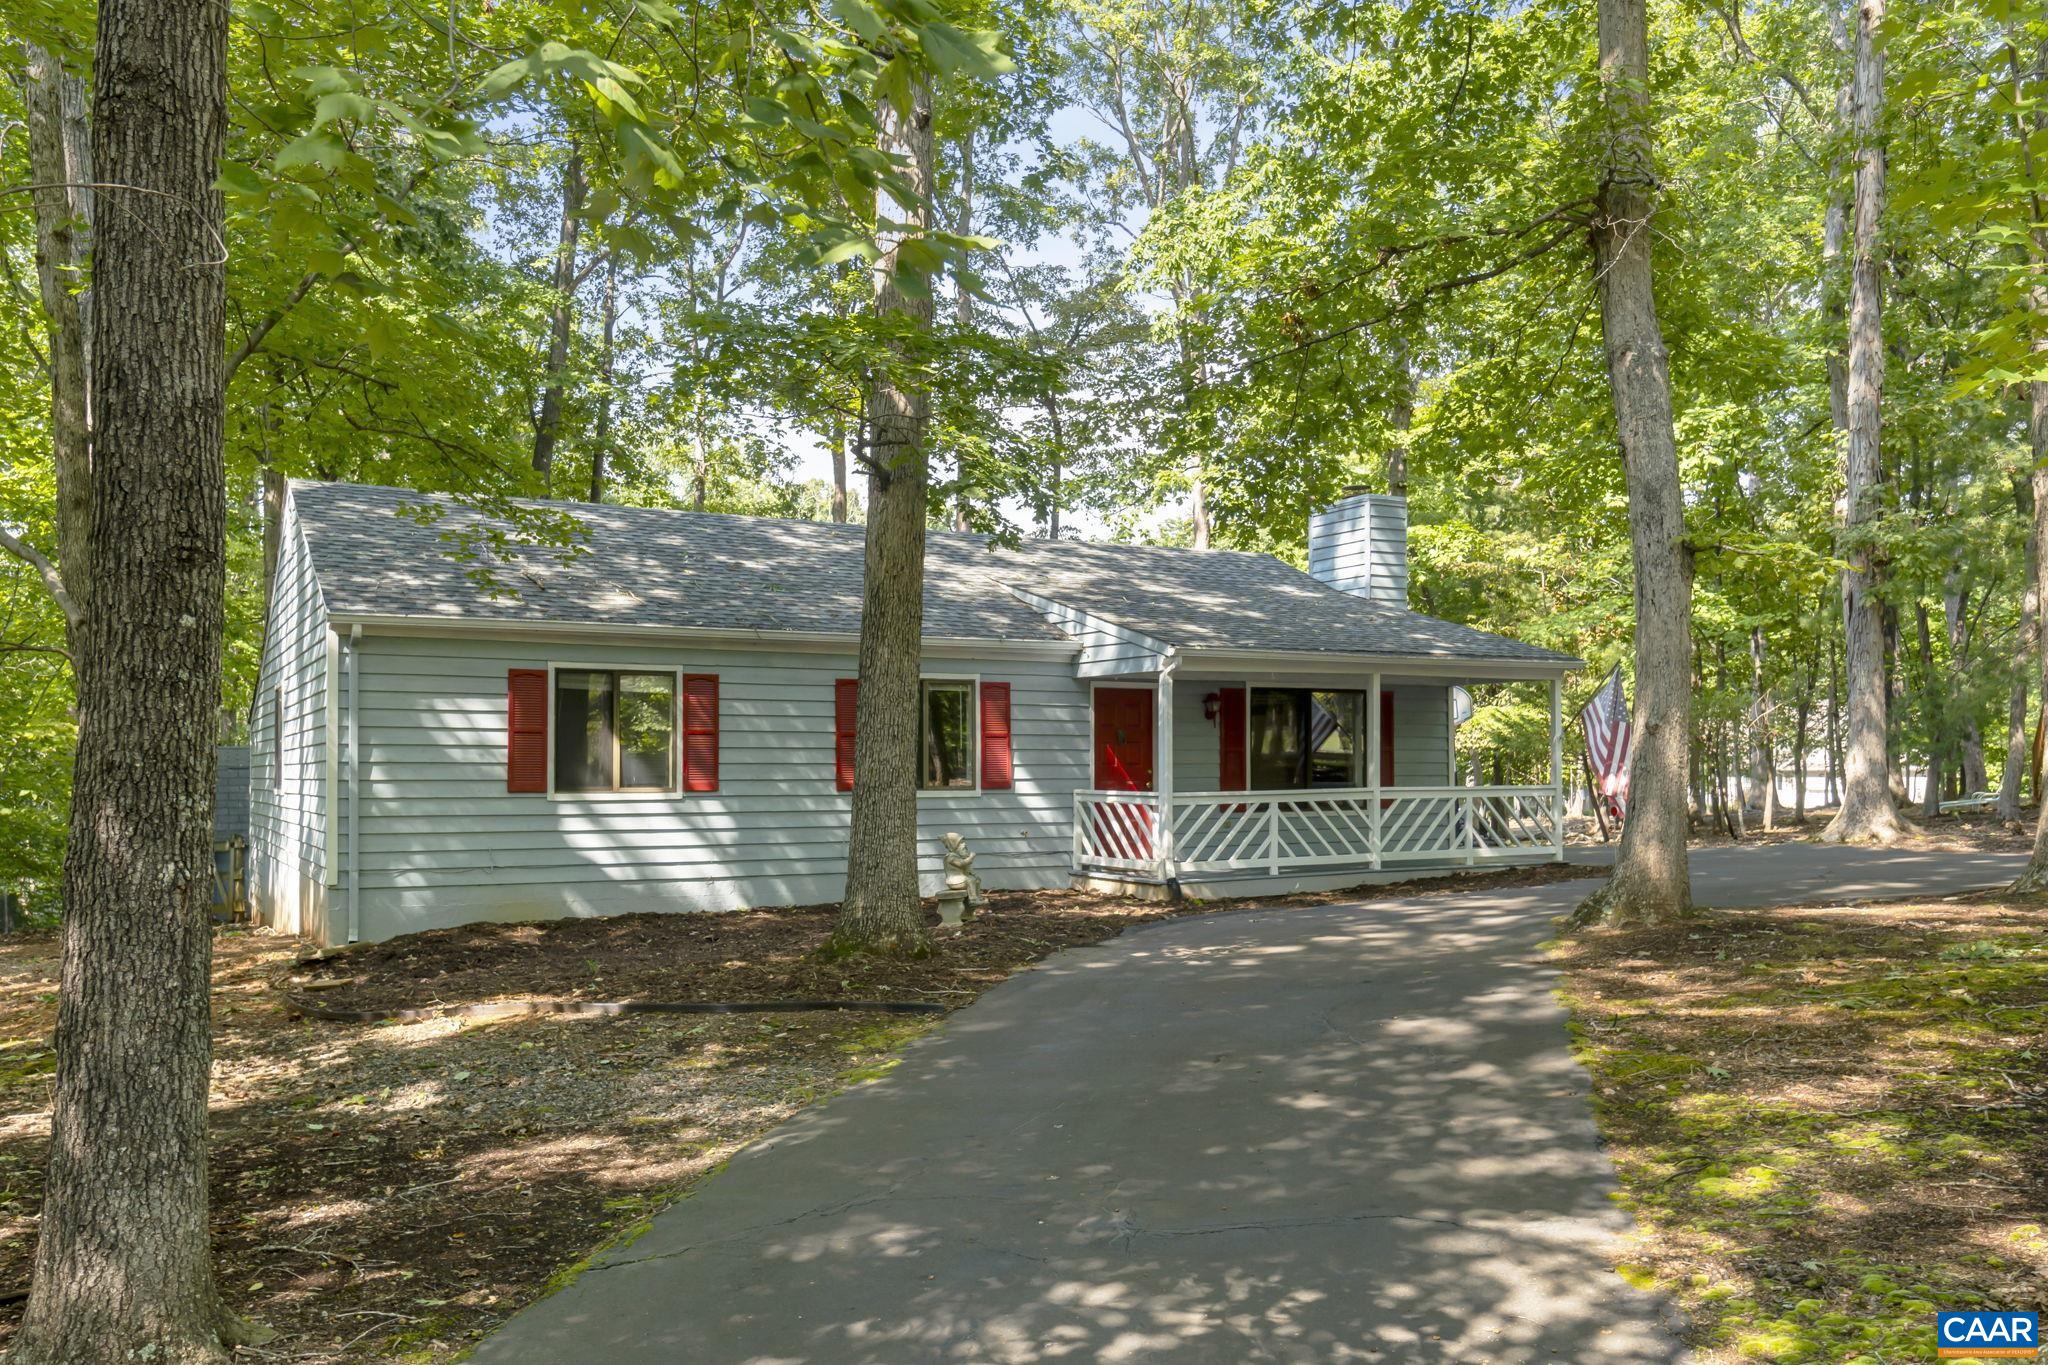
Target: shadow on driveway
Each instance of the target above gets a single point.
(1341, 1133)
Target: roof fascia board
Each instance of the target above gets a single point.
(816, 641)
(1244, 663)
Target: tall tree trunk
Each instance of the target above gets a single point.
(1401, 418)
(122, 1270)
(273, 529)
(60, 164)
(1832, 736)
(839, 470)
(600, 454)
(700, 460)
(2027, 647)
(1867, 813)
(561, 318)
(2034, 879)
(882, 912)
(1651, 880)
(963, 305)
(1765, 751)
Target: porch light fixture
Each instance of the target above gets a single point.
(1212, 706)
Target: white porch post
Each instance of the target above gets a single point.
(1162, 766)
(1374, 766)
(1557, 767)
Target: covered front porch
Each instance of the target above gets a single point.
(1312, 775)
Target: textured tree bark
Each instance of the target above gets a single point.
(839, 470)
(121, 1268)
(1651, 880)
(2027, 649)
(273, 528)
(882, 912)
(2029, 492)
(1867, 814)
(548, 426)
(2034, 880)
(60, 162)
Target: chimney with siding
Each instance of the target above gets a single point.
(1359, 545)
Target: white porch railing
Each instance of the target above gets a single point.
(1220, 833)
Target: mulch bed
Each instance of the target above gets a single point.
(394, 1191)
(1829, 1119)
(769, 954)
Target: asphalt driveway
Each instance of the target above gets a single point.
(1346, 1133)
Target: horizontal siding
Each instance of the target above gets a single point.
(443, 842)
(1197, 740)
(1360, 545)
(1422, 736)
(286, 800)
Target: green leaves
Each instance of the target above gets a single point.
(956, 52)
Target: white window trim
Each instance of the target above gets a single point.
(674, 792)
(973, 683)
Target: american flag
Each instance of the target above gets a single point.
(1608, 736)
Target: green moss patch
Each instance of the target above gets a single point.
(1827, 1121)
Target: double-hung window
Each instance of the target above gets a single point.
(615, 730)
(946, 735)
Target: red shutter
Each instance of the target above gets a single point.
(1386, 739)
(700, 732)
(997, 771)
(1231, 726)
(843, 693)
(526, 730)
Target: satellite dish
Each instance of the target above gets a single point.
(1461, 707)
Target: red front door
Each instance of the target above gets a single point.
(1123, 739)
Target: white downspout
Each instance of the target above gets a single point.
(351, 672)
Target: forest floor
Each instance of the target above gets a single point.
(395, 1190)
(1828, 1120)
(1958, 832)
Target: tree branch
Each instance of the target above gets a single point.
(52, 580)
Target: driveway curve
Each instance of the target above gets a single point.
(1343, 1133)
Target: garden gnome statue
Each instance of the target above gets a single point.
(962, 895)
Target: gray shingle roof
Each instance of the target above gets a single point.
(695, 570)
(1226, 599)
(641, 566)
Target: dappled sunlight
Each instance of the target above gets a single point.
(1847, 1096)
(1331, 1133)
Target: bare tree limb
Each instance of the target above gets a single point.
(37, 560)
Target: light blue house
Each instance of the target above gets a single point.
(662, 719)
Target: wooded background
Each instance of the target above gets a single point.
(1198, 266)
